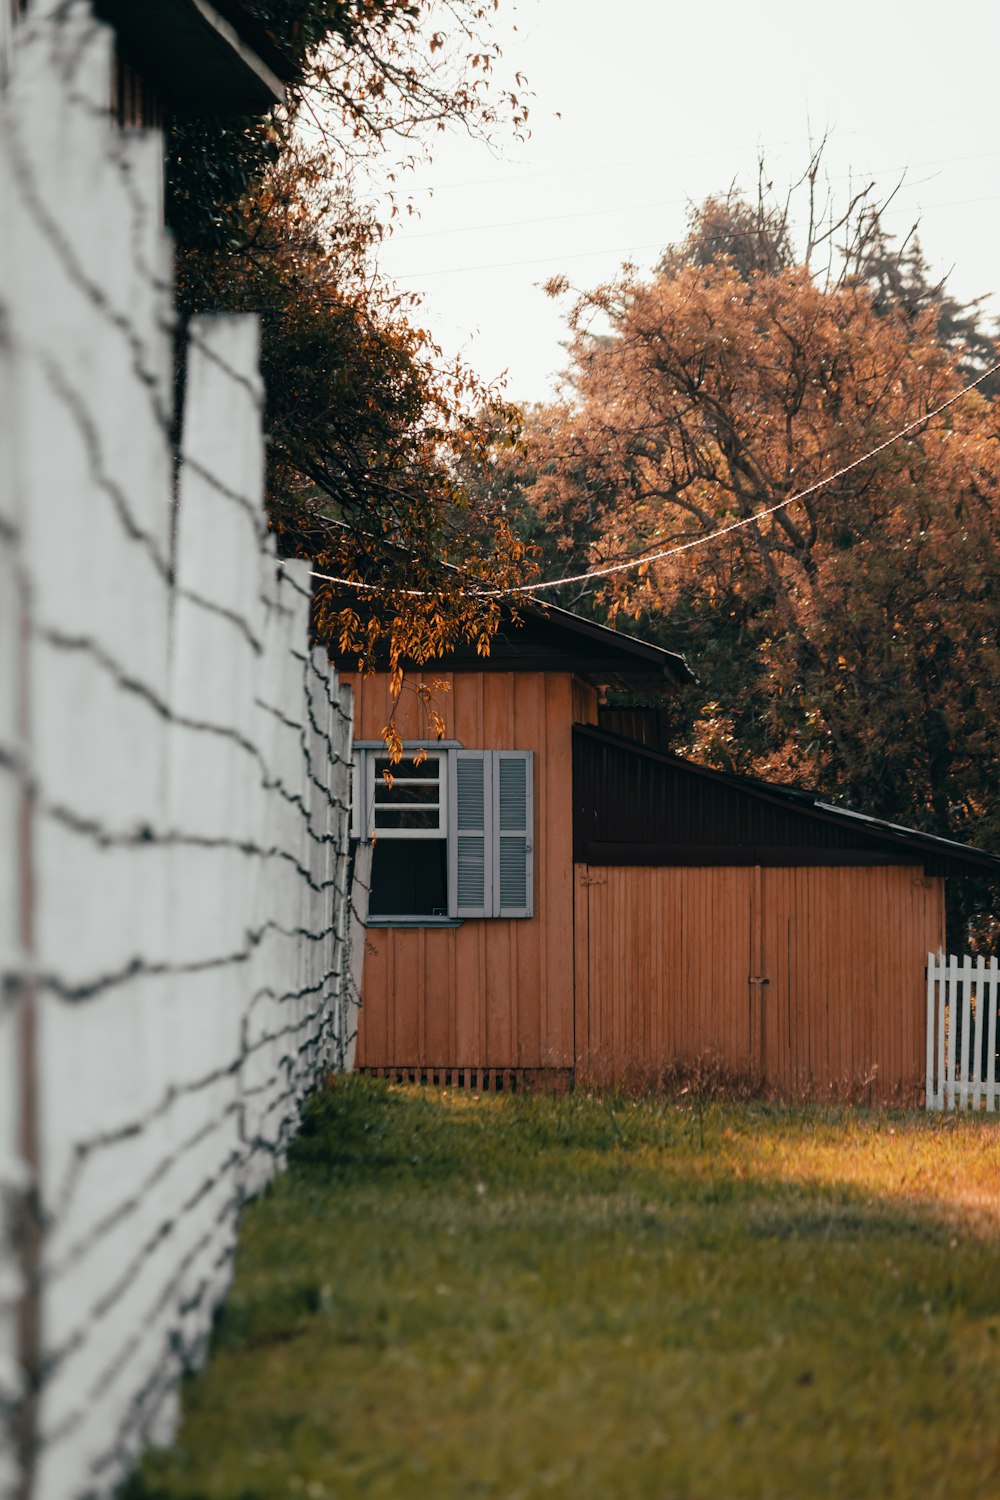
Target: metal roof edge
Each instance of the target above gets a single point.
(201, 56)
(258, 38)
(670, 661)
(248, 55)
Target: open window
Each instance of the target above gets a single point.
(452, 831)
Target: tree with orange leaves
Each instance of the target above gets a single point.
(849, 639)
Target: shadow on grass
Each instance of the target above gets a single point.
(457, 1296)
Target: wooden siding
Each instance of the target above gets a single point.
(135, 105)
(668, 963)
(493, 993)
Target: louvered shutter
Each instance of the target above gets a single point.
(470, 847)
(513, 852)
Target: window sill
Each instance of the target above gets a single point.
(414, 922)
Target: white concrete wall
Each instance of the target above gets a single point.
(174, 766)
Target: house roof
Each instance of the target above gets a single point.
(637, 805)
(539, 637)
(543, 638)
(201, 56)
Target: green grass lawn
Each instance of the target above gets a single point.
(518, 1297)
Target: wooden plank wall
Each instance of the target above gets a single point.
(662, 961)
(488, 994)
(846, 950)
(664, 956)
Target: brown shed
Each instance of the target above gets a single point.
(760, 925)
(472, 984)
(552, 901)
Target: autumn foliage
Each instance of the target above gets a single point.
(374, 437)
(848, 641)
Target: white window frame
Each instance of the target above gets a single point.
(495, 902)
(374, 780)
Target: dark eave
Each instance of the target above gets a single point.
(542, 638)
(642, 656)
(858, 837)
(201, 58)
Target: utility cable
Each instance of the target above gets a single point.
(759, 515)
(647, 557)
(626, 208)
(634, 249)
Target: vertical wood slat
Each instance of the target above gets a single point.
(942, 1022)
(991, 1035)
(977, 1052)
(951, 1001)
(755, 979)
(933, 1101)
(966, 1025)
(581, 964)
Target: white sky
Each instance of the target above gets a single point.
(641, 107)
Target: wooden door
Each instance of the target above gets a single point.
(843, 951)
(809, 979)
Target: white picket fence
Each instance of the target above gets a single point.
(962, 998)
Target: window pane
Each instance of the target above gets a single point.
(402, 792)
(409, 878)
(428, 770)
(388, 818)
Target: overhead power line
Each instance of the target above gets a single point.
(558, 257)
(615, 164)
(626, 208)
(646, 557)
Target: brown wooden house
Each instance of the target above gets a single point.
(552, 901)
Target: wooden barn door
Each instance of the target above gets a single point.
(810, 978)
(841, 998)
(662, 955)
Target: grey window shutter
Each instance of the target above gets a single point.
(513, 820)
(470, 846)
